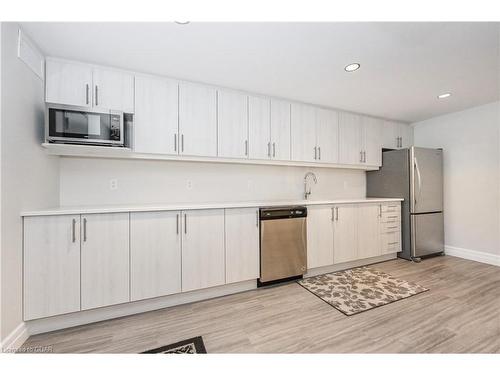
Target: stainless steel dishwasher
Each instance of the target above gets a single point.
(283, 244)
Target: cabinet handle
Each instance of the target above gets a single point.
(257, 221)
(269, 149)
(361, 156)
(73, 230)
(175, 142)
(333, 218)
(392, 227)
(319, 152)
(246, 147)
(393, 243)
(336, 214)
(274, 150)
(315, 152)
(87, 90)
(392, 217)
(177, 223)
(96, 95)
(379, 210)
(185, 224)
(84, 229)
(182, 142)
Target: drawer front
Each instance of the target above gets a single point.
(390, 227)
(390, 242)
(395, 207)
(391, 217)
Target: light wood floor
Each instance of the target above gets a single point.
(460, 313)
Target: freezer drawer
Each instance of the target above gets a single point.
(427, 234)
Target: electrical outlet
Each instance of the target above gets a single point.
(113, 184)
(189, 184)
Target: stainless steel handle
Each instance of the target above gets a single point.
(393, 243)
(392, 227)
(315, 153)
(246, 147)
(257, 221)
(364, 156)
(175, 142)
(361, 156)
(182, 142)
(333, 218)
(417, 169)
(96, 95)
(397, 142)
(392, 217)
(185, 224)
(379, 210)
(73, 230)
(269, 149)
(336, 214)
(319, 152)
(84, 229)
(177, 223)
(87, 92)
(274, 150)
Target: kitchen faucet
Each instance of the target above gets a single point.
(307, 192)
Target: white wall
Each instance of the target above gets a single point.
(471, 144)
(86, 182)
(29, 178)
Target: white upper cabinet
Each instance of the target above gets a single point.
(350, 139)
(113, 90)
(156, 116)
(396, 135)
(197, 120)
(68, 83)
(242, 244)
(406, 134)
(327, 135)
(232, 124)
(279, 148)
(86, 86)
(259, 127)
(372, 141)
(303, 139)
(319, 236)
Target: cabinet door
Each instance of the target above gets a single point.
(197, 120)
(345, 234)
(303, 139)
(202, 249)
(390, 134)
(259, 128)
(368, 231)
(279, 147)
(232, 124)
(156, 116)
(51, 265)
(406, 134)
(155, 254)
(113, 90)
(242, 244)
(319, 236)
(105, 259)
(68, 83)
(350, 139)
(372, 141)
(327, 130)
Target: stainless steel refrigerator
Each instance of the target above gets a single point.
(416, 175)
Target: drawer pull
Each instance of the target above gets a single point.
(392, 217)
(392, 227)
(393, 243)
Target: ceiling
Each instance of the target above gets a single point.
(404, 66)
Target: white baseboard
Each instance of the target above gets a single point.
(478, 256)
(15, 339)
(55, 323)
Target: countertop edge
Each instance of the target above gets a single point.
(194, 206)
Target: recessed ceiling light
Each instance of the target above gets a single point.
(444, 96)
(181, 22)
(352, 67)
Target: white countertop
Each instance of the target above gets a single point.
(76, 210)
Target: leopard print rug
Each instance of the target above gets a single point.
(359, 289)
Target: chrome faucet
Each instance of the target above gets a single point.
(307, 192)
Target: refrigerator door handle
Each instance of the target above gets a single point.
(419, 177)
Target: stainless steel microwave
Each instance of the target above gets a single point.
(70, 125)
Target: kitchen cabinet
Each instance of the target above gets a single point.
(350, 139)
(104, 260)
(68, 83)
(368, 222)
(51, 265)
(320, 236)
(232, 124)
(345, 233)
(280, 130)
(396, 135)
(327, 140)
(83, 85)
(155, 254)
(202, 249)
(156, 124)
(372, 141)
(197, 120)
(242, 244)
(113, 90)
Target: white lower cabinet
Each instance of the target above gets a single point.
(368, 231)
(202, 249)
(345, 233)
(319, 236)
(51, 265)
(104, 259)
(242, 244)
(155, 254)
